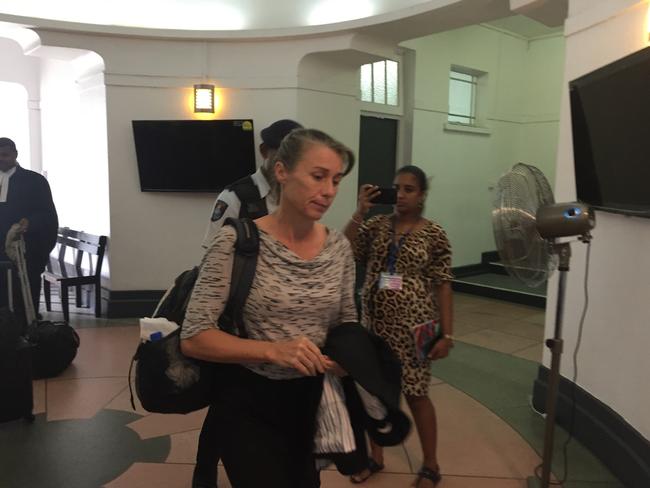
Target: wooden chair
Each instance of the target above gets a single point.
(65, 274)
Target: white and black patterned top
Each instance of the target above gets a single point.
(290, 296)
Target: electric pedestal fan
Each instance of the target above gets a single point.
(527, 224)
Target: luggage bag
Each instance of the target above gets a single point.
(16, 398)
(54, 344)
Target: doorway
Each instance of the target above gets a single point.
(377, 154)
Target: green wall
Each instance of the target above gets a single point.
(519, 103)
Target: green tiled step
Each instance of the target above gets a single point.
(489, 278)
(503, 287)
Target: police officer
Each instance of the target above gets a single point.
(252, 196)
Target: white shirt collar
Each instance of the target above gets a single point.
(261, 182)
(4, 182)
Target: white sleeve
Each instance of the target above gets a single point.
(226, 205)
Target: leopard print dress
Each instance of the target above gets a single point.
(424, 261)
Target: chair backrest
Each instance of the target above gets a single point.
(82, 245)
(56, 263)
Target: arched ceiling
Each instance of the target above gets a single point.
(393, 20)
(228, 15)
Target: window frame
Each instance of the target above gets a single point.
(474, 82)
(373, 89)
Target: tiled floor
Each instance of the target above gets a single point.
(86, 434)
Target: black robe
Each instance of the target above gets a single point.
(29, 197)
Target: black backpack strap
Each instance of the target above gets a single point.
(243, 271)
(253, 206)
(134, 358)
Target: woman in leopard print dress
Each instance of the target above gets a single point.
(408, 282)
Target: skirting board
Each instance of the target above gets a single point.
(130, 303)
(506, 295)
(600, 429)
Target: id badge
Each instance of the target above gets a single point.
(390, 281)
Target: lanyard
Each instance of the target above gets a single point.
(393, 249)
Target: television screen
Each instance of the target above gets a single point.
(193, 155)
(610, 113)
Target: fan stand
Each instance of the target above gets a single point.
(563, 250)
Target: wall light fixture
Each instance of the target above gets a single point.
(203, 98)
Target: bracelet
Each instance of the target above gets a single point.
(358, 222)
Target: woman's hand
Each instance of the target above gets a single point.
(300, 354)
(366, 193)
(441, 349)
(334, 367)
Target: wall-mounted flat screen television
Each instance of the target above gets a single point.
(193, 155)
(610, 114)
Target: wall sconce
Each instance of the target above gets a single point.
(203, 98)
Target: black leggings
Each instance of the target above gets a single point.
(266, 429)
(209, 452)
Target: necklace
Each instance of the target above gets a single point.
(404, 232)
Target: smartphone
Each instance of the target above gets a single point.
(387, 196)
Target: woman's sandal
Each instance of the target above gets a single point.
(428, 474)
(373, 467)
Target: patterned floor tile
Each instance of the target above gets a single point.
(156, 425)
(80, 398)
(497, 341)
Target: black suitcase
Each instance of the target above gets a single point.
(54, 344)
(16, 397)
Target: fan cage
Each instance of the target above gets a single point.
(524, 253)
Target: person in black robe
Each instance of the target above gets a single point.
(25, 194)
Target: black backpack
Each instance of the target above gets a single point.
(253, 206)
(166, 381)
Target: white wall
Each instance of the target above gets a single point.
(519, 104)
(312, 80)
(613, 362)
(543, 72)
(14, 122)
(316, 82)
(64, 116)
(156, 235)
(73, 118)
(22, 70)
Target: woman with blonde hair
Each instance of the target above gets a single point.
(267, 398)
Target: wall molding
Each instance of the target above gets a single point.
(599, 428)
(520, 120)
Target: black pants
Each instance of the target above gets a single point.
(266, 429)
(208, 453)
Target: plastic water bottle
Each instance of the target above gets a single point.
(155, 336)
